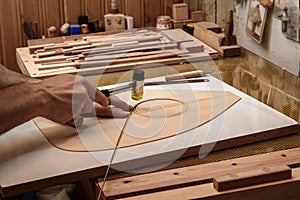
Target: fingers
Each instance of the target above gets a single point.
(110, 111)
(116, 101)
(76, 122)
(101, 98)
(93, 92)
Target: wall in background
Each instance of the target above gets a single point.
(14, 13)
(275, 47)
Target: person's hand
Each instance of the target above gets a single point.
(68, 97)
(119, 108)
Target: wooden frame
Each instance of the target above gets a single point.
(256, 20)
(179, 40)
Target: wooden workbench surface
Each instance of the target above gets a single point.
(28, 162)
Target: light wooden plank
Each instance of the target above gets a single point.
(279, 190)
(194, 175)
(93, 9)
(153, 9)
(251, 177)
(135, 8)
(10, 34)
(52, 14)
(72, 10)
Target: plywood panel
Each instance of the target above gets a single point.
(194, 5)
(168, 6)
(135, 8)
(72, 9)
(93, 9)
(173, 113)
(153, 9)
(29, 12)
(51, 14)
(10, 29)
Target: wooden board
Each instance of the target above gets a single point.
(216, 40)
(277, 190)
(29, 162)
(161, 185)
(161, 114)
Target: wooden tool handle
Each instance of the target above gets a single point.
(185, 75)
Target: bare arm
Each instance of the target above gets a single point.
(10, 78)
(22, 103)
(60, 99)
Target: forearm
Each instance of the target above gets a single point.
(19, 104)
(9, 78)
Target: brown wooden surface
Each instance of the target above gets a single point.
(192, 50)
(185, 177)
(44, 13)
(278, 190)
(177, 115)
(251, 177)
(215, 40)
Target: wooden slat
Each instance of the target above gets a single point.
(10, 34)
(52, 14)
(135, 8)
(279, 190)
(93, 9)
(251, 177)
(72, 10)
(153, 9)
(194, 175)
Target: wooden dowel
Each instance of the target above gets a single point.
(50, 53)
(59, 65)
(67, 45)
(32, 49)
(52, 59)
(129, 49)
(124, 60)
(186, 75)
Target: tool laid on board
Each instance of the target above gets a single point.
(187, 77)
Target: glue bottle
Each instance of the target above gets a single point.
(138, 84)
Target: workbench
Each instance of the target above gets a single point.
(29, 162)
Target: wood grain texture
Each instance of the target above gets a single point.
(93, 9)
(135, 8)
(251, 177)
(278, 190)
(56, 12)
(73, 8)
(161, 114)
(170, 180)
(10, 36)
(153, 9)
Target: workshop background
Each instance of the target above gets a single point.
(275, 47)
(14, 15)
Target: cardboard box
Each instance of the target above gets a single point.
(180, 11)
(198, 16)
